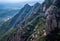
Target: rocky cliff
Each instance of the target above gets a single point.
(40, 22)
(53, 16)
(53, 21)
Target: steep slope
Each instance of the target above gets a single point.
(53, 21)
(31, 14)
(20, 16)
(33, 28)
(52, 30)
(22, 34)
(10, 23)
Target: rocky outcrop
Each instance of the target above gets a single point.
(53, 16)
(29, 17)
(52, 20)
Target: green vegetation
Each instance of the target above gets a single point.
(34, 23)
(8, 34)
(37, 23)
(40, 26)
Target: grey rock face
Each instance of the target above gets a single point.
(52, 17)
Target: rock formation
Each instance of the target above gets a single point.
(53, 16)
(53, 21)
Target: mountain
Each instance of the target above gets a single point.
(14, 20)
(40, 22)
(53, 21)
(19, 16)
(33, 11)
(22, 24)
(8, 10)
(23, 14)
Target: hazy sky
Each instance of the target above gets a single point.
(16, 1)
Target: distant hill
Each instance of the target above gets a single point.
(6, 14)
